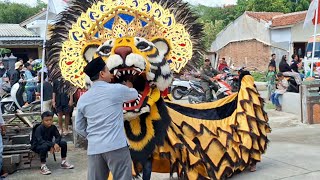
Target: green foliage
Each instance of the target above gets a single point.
(259, 76)
(263, 5)
(216, 19)
(15, 13)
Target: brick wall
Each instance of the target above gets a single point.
(252, 54)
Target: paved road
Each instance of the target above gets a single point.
(293, 154)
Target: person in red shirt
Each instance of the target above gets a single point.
(223, 64)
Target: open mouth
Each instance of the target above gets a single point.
(138, 78)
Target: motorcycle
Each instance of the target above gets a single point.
(232, 79)
(15, 100)
(179, 86)
(196, 94)
(224, 88)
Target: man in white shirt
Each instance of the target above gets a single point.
(100, 119)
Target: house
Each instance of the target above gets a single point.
(252, 38)
(36, 23)
(25, 40)
(22, 42)
(288, 33)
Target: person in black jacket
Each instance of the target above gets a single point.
(273, 61)
(42, 142)
(295, 63)
(15, 76)
(287, 71)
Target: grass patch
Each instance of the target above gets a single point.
(259, 76)
(269, 105)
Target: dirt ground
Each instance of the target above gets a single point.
(279, 121)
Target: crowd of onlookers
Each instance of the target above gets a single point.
(294, 68)
(28, 75)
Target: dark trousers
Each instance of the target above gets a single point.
(117, 161)
(44, 148)
(208, 92)
(147, 169)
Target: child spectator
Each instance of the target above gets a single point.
(271, 78)
(312, 73)
(282, 87)
(41, 142)
(47, 92)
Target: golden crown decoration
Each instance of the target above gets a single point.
(108, 19)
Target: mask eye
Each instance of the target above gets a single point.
(143, 46)
(104, 51)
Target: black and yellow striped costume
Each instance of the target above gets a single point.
(209, 140)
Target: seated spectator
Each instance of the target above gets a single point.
(223, 64)
(282, 87)
(296, 64)
(47, 92)
(287, 71)
(42, 143)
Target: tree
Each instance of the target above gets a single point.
(15, 13)
(215, 19)
(211, 30)
(263, 5)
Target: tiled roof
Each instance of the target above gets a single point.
(25, 22)
(266, 16)
(289, 19)
(15, 30)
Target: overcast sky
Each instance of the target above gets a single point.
(194, 2)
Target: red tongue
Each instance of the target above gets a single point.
(144, 95)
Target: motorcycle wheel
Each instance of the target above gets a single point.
(33, 109)
(5, 108)
(175, 94)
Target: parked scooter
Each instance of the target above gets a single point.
(16, 99)
(179, 86)
(196, 93)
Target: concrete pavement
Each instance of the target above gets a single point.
(293, 154)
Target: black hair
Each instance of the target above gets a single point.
(279, 74)
(273, 54)
(294, 55)
(283, 59)
(96, 77)
(27, 64)
(224, 58)
(46, 114)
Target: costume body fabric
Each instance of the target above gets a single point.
(145, 41)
